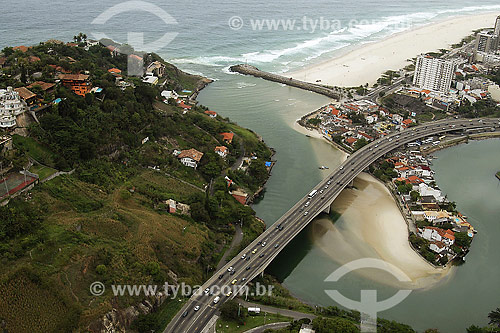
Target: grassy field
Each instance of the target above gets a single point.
(42, 171)
(86, 227)
(40, 153)
(250, 322)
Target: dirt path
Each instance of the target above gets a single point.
(238, 237)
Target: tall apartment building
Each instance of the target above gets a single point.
(496, 32)
(434, 74)
(10, 107)
(486, 42)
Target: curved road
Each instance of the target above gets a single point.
(257, 256)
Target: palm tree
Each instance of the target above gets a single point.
(494, 317)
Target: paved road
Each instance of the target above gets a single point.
(271, 309)
(266, 247)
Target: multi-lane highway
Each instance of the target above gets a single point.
(201, 307)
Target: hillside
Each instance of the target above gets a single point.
(109, 217)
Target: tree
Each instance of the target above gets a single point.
(414, 195)
(334, 325)
(462, 239)
(258, 170)
(494, 317)
(229, 311)
(360, 143)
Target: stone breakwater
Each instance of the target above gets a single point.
(254, 71)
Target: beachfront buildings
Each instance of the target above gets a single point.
(496, 31)
(434, 73)
(190, 157)
(486, 42)
(10, 107)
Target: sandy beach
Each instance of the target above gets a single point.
(366, 63)
(371, 226)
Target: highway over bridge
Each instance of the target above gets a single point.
(200, 309)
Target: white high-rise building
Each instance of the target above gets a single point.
(434, 74)
(10, 107)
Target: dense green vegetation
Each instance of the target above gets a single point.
(108, 221)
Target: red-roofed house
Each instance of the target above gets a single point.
(407, 122)
(115, 71)
(45, 86)
(190, 157)
(211, 114)
(78, 83)
(414, 180)
(21, 48)
(240, 196)
(227, 137)
(351, 141)
(221, 151)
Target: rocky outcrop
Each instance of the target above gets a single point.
(254, 71)
(119, 320)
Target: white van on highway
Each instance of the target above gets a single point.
(216, 300)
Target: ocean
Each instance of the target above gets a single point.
(276, 36)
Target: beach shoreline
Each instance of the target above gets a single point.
(366, 63)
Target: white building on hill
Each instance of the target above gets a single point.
(10, 107)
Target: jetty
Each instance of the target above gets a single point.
(498, 175)
(254, 71)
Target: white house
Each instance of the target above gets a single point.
(437, 247)
(190, 158)
(166, 94)
(426, 190)
(10, 107)
(221, 151)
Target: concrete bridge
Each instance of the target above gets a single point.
(260, 253)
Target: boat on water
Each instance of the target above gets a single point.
(323, 167)
(307, 135)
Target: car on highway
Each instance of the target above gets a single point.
(307, 203)
(262, 255)
(328, 182)
(234, 281)
(264, 244)
(281, 228)
(230, 269)
(305, 213)
(276, 245)
(278, 226)
(229, 293)
(254, 250)
(216, 300)
(326, 186)
(341, 167)
(196, 308)
(207, 291)
(232, 272)
(185, 313)
(321, 191)
(243, 280)
(248, 267)
(244, 256)
(221, 276)
(322, 197)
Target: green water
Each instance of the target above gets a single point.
(465, 173)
